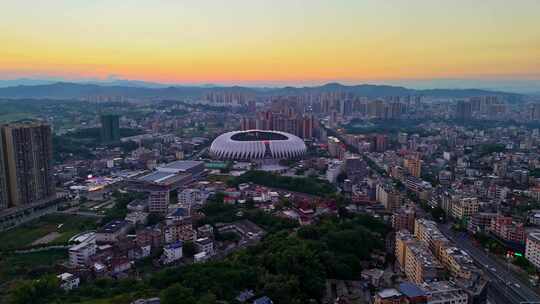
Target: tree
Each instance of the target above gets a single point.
(177, 294)
(154, 218)
(438, 214)
(281, 288)
(36, 291)
(208, 298)
(189, 249)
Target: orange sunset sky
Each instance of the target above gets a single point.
(246, 41)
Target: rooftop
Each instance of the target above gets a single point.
(411, 290)
(113, 226)
(176, 245)
(389, 293)
(179, 166)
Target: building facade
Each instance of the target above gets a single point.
(27, 164)
(110, 128)
(532, 248)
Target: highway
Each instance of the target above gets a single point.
(505, 287)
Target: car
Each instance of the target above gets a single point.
(517, 285)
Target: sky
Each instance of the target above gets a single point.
(271, 41)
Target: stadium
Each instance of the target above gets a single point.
(257, 145)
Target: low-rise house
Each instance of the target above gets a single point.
(80, 254)
(178, 214)
(172, 252)
(149, 236)
(68, 281)
(205, 231)
(137, 205)
(205, 245)
(120, 265)
(245, 296)
(244, 228)
(137, 218)
(201, 257)
(374, 276)
(388, 296)
(112, 231)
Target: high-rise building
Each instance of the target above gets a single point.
(413, 164)
(381, 143)
(110, 128)
(27, 152)
(4, 198)
(463, 110)
(535, 111)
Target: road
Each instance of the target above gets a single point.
(198, 154)
(505, 287)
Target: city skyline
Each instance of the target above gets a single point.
(263, 42)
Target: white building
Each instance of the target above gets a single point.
(137, 217)
(112, 231)
(257, 144)
(81, 253)
(532, 248)
(68, 281)
(334, 169)
(201, 257)
(190, 197)
(172, 253)
(205, 245)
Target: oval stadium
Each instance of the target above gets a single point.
(257, 144)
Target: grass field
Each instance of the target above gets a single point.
(24, 235)
(28, 265)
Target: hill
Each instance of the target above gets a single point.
(66, 90)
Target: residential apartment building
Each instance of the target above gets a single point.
(190, 197)
(428, 232)
(179, 230)
(80, 254)
(403, 218)
(26, 170)
(458, 262)
(403, 237)
(420, 264)
(413, 164)
(507, 229)
(532, 248)
(390, 198)
(112, 231)
(480, 222)
(465, 207)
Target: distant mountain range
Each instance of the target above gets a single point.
(140, 89)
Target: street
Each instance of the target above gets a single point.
(505, 287)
